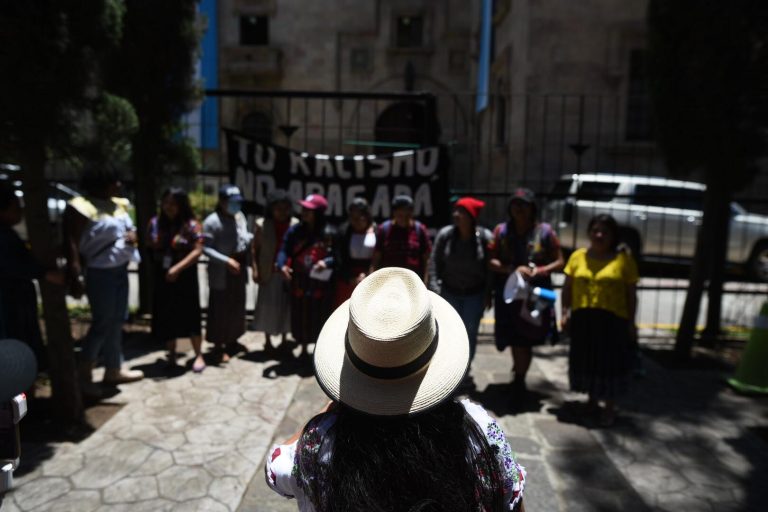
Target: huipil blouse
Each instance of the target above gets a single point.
(284, 477)
(601, 284)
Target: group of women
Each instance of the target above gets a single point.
(392, 357)
(304, 269)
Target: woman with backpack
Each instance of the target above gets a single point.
(460, 266)
(402, 241)
(532, 249)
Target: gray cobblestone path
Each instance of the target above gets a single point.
(683, 441)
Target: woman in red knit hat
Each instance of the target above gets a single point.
(460, 265)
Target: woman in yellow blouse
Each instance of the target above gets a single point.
(598, 309)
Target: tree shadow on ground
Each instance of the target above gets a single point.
(683, 419)
(301, 366)
(498, 399)
(40, 430)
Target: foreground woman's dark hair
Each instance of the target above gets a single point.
(438, 460)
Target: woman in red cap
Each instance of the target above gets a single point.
(303, 261)
(460, 264)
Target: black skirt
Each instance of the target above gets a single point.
(176, 306)
(600, 358)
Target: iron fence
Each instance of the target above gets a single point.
(530, 140)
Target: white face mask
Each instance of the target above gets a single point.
(233, 207)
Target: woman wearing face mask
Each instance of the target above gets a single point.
(598, 308)
(227, 243)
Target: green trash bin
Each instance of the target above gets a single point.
(752, 374)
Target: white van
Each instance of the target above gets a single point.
(659, 218)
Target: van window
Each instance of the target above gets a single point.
(669, 197)
(596, 191)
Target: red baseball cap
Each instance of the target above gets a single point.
(472, 205)
(314, 202)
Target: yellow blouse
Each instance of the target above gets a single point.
(601, 284)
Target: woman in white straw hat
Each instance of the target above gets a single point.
(393, 438)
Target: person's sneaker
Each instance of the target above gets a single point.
(114, 376)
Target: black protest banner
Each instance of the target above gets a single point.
(258, 167)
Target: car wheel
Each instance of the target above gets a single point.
(758, 262)
(631, 240)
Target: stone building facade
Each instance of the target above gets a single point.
(343, 45)
(567, 83)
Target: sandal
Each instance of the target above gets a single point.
(199, 365)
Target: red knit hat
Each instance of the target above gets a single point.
(472, 205)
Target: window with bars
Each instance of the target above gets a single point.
(409, 32)
(254, 30)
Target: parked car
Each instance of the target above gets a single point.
(659, 218)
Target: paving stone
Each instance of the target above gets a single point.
(75, 501)
(158, 462)
(566, 436)
(216, 434)
(538, 493)
(212, 413)
(198, 395)
(162, 400)
(227, 490)
(675, 502)
(182, 483)
(167, 441)
(156, 505)
(231, 464)
(129, 490)
(580, 470)
(7, 504)
(524, 445)
(201, 505)
(63, 465)
(139, 432)
(113, 462)
(653, 479)
(40, 491)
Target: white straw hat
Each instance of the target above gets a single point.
(393, 348)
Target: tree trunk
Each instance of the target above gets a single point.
(145, 184)
(699, 272)
(67, 401)
(718, 254)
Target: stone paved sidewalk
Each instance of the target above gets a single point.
(197, 442)
(187, 443)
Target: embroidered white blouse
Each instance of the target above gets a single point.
(281, 470)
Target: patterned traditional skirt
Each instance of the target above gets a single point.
(600, 359)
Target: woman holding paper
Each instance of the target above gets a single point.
(304, 262)
(532, 250)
